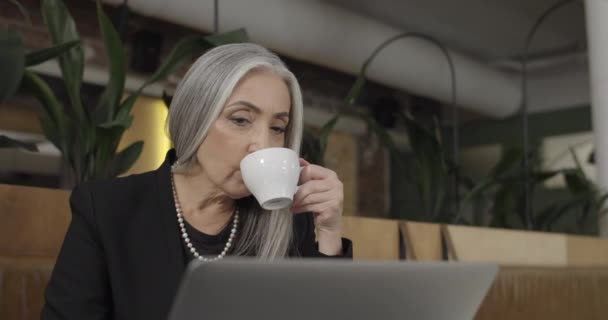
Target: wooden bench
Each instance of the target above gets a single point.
(33, 222)
(373, 239)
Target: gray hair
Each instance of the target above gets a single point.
(196, 105)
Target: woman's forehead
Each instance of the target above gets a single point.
(262, 91)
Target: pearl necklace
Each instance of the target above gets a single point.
(180, 221)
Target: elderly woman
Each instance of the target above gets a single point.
(131, 238)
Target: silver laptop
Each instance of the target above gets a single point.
(319, 289)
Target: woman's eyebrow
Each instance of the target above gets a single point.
(256, 109)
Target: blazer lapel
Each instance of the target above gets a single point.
(172, 258)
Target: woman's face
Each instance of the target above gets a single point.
(255, 117)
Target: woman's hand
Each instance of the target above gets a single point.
(322, 193)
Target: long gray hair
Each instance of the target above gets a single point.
(196, 105)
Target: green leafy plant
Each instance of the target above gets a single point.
(584, 202)
(588, 200)
(88, 136)
(13, 62)
(433, 171)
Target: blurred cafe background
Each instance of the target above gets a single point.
(462, 130)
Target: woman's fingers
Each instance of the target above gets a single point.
(321, 192)
(304, 163)
(308, 204)
(309, 188)
(314, 172)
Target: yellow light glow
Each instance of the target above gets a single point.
(149, 115)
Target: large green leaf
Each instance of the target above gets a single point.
(553, 212)
(123, 123)
(6, 142)
(476, 191)
(43, 93)
(430, 164)
(50, 131)
(62, 29)
(381, 133)
(105, 149)
(187, 47)
(509, 162)
(125, 107)
(507, 165)
(12, 62)
(126, 158)
(38, 57)
(576, 183)
(56, 126)
(114, 89)
(88, 140)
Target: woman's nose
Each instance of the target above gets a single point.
(259, 140)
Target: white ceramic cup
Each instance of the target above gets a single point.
(272, 175)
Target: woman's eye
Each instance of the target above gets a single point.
(278, 130)
(239, 121)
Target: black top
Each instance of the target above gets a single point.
(205, 244)
(123, 254)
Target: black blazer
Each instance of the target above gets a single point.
(122, 255)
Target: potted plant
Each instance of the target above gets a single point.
(88, 136)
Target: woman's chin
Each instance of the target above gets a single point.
(239, 192)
